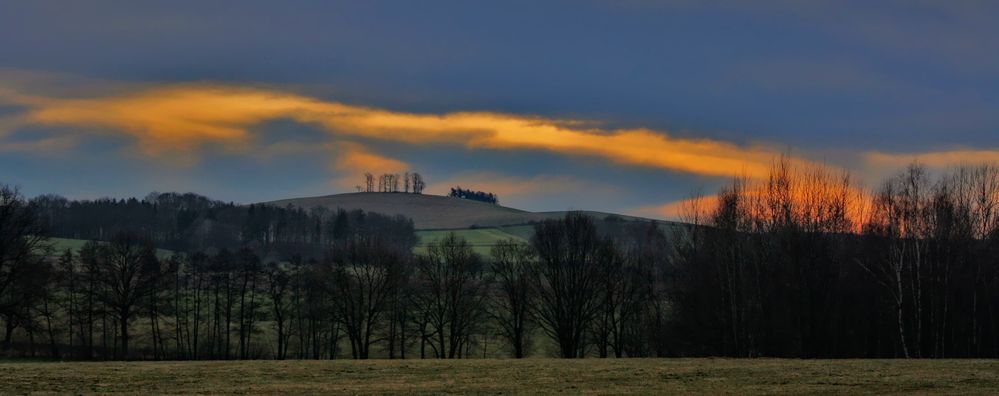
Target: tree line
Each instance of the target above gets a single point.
(803, 263)
(481, 196)
(191, 222)
(370, 295)
(393, 182)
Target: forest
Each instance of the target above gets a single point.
(803, 263)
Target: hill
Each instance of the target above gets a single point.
(482, 224)
(429, 212)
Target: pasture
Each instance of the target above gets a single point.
(503, 376)
(481, 239)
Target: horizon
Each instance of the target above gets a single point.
(245, 102)
(515, 197)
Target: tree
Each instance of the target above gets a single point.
(566, 280)
(129, 271)
(418, 183)
(511, 297)
(248, 270)
(450, 293)
(369, 182)
(364, 275)
(481, 196)
(23, 245)
(278, 287)
(898, 224)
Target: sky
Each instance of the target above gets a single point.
(618, 106)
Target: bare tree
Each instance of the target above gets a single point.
(369, 182)
(278, 288)
(129, 270)
(512, 298)
(418, 183)
(364, 275)
(22, 246)
(450, 294)
(567, 278)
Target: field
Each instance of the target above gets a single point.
(530, 376)
(433, 211)
(427, 211)
(60, 245)
(481, 239)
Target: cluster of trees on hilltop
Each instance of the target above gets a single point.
(800, 264)
(481, 196)
(393, 182)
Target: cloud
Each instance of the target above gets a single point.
(353, 159)
(934, 159)
(47, 145)
(681, 210)
(172, 119)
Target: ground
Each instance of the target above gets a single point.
(481, 239)
(497, 376)
(434, 212)
(59, 245)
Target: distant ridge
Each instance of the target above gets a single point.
(431, 211)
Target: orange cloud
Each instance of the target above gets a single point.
(935, 159)
(682, 210)
(181, 118)
(353, 159)
(357, 158)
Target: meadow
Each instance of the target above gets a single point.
(481, 239)
(506, 376)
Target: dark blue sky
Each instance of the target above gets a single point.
(860, 85)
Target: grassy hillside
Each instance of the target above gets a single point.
(490, 376)
(432, 212)
(482, 224)
(427, 211)
(482, 239)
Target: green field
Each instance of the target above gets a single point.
(529, 376)
(481, 239)
(60, 245)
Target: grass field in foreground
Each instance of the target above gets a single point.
(530, 376)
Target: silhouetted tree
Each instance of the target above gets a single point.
(24, 277)
(450, 294)
(567, 279)
(512, 298)
(364, 274)
(481, 196)
(418, 183)
(369, 182)
(129, 270)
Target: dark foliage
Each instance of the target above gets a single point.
(481, 196)
(801, 264)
